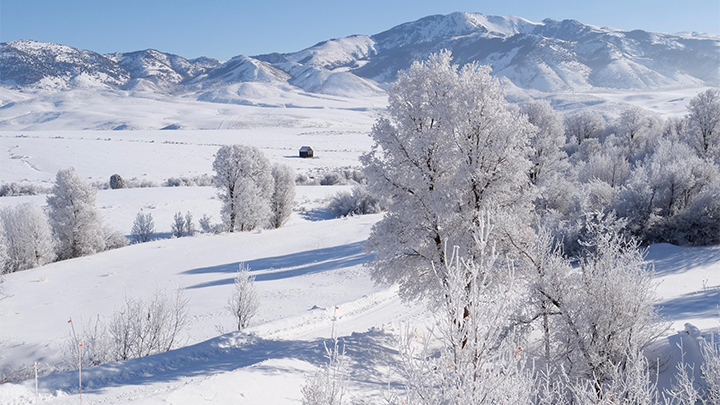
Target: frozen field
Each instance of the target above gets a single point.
(302, 270)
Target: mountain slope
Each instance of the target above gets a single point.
(548, 56)
(46, 65)
(162, 69)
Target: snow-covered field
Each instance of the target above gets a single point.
(302, 270)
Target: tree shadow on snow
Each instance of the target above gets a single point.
(366, 352)
(317, 214)
(291, 265)
(670, 259)
(697, 304)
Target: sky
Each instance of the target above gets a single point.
(222, 29)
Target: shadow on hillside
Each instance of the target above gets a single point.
(317, 214)
(366, 351)
(670, 259)
(696, 304)
(291, 265)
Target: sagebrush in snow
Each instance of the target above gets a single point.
(357, 202)
(141, 328)
(143, 229)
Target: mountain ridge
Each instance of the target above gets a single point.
(547, 56)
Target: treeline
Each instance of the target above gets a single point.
(658, 176)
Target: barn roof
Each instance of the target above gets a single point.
(305, 149)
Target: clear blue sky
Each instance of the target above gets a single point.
(224, 28)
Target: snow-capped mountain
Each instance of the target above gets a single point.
(548, 56)
(30, 63)
(160, 68)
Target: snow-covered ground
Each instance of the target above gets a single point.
(302, 270)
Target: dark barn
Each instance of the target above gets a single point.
(306, 152)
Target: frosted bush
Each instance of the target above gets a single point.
(17, 189)
(207, 226)
(178, 225)
(329, 385)
(357, 202)
(330, 179)
(143, 328)
(244, 302)
(139, 328)
(143, 229)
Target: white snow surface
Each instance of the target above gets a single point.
(302, 270)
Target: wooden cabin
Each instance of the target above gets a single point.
(306, 152)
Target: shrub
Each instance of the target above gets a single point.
(143, 228)
(138, 329)
(358, 202)
(243, 303)
(116, 182)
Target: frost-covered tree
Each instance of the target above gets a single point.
(704, 118)
(245, 182)
(610, 166)
(698, 223)
(283, 195)
(582, 125)
(27, 237)
(75, 222)
(3, 257)
(480, 358)
(665, 184)
(547, 155)
(604, 311)
(634, 129)
(448, 148)
(244, 302)
(143, 229)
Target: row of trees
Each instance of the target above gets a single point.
(72, 227)
(451, 151)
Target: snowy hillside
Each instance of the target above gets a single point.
(551, 55)
(53, 66)
(159, 120)
(547, 56)
(302, 272)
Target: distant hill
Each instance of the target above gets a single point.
(547, 56)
